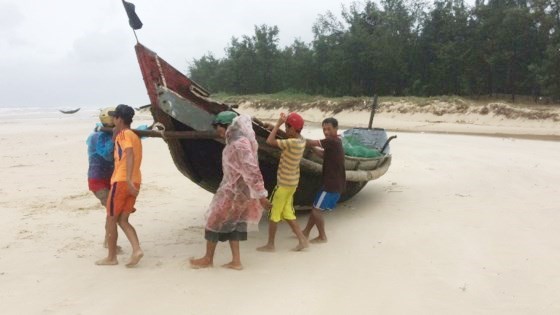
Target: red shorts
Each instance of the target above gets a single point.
(95, 184)
(120, 200)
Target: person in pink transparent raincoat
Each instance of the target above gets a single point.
(239, 201)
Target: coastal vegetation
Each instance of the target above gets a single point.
(494, 48)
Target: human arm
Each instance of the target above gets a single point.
(312, 143)
(129, 168)
(315, 146)
(105, 146)
(265, 203)
(319, 151)
(271, 140)
(125, 144)
(250, 171)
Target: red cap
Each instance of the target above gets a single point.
(295, 120)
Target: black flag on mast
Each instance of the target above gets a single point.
(133, 19)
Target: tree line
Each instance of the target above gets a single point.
(402, 47)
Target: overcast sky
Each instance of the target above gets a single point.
(72, 53)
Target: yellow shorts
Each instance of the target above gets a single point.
(282, 200)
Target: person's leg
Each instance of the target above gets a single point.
(102, 196)
(320, 222)
(208, 259)
(278, 201)
(301, 238)
(112, 235)
(311, 220)
(130, 233)
(269, 247)
(106, 241)
(310, 224)
(235, 256)
(289, 215)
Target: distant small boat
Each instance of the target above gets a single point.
(143, 107)
(69, 111)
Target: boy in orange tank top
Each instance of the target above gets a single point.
(125, 185)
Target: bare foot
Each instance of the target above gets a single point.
(233, 266)
(305, 233)
(266, 248)
(318, 240)
(201, 263)
(135, 258)
(119, 249)
(107, 262)
(301, 246)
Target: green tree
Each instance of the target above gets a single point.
(402, 47)
(328, 36)
(265, 42)
(444, 42)
(206, 69)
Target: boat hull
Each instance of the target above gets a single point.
(201, 159)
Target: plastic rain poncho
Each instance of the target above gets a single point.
(236, 206)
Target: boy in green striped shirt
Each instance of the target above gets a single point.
(287, 179)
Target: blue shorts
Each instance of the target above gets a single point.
(325, 200)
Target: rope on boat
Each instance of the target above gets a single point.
(160, 127)
(161, 71)
(367, 175)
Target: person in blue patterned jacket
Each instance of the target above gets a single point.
(100, 154)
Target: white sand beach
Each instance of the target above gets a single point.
(460, 224)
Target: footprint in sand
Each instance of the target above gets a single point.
(77, 244)
(19, 165)
(394, 188)
(25, 235)
(78, 196)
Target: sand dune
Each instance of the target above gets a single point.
(436, 107)
(456, 117)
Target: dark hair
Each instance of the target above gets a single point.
(127, 119)
(124, 112)
(332, 121)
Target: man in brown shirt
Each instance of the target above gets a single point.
(334, 177)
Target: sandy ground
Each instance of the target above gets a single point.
(459, 225)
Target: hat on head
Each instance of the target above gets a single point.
(104, 116)
(295, 120)
(122, 111)
(224, 118)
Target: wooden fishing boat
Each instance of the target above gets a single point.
(183, 106)
(69, 111)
